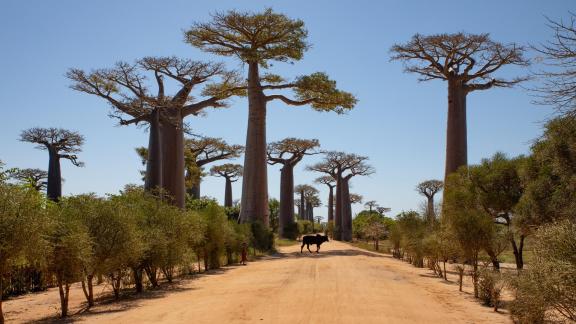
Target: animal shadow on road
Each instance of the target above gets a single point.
(327, 254)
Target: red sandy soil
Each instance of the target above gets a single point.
(341, 284)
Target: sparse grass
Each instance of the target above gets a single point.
(285, 242)
(384, 246)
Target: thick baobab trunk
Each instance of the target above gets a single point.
(302, 212)
(54, 189)
(228, 193)
(286, 212)
(431, 217)
(331, 205)
(173, 158)
(154, 160)
(309, 212)
(346, 212)
(254, 204)
(456, 140)
(338, 213)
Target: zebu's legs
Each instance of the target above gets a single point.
(308, 247)
(302, 247)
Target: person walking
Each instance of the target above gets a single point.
(244, 253)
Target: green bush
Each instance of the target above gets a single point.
(305, 227)
(262, 237)
(546, 291)
(291, 231)
(490, 285)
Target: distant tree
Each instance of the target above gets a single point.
(342, 167)
(306, 192)
(257, 39)
(382, 210)
(429, 189)
(355, 199)
(331, 183)
(34, 178)
(370, 205)
(559, 82)
(289, 152)
(312, 201)
(467, 62)
(60, 144)
(124, 87)
(202, 151)
(230, 172)
(298, 204)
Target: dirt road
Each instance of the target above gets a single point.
(342, 284)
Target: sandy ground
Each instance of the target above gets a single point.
(342, 284)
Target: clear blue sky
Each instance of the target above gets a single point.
(398, 122)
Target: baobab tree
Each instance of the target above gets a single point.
(468, 63)
(230, 172)
(372, 204)
(257, 39)
(288, 152)
(312, 201)
(331, 183)
(125, 88)
(60, 144)
(304, 191)
(558, 88)
(342, 167)
(428, 189)
(35, 178)
(202, 151)
(382, 210)
(355, 199)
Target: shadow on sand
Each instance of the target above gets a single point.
(107, 304)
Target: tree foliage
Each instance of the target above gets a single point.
(470, 58)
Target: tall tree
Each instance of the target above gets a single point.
(467, 62)
(35, 178)
(372, 204)
(202, 151)
(355, 198)
(230, 172)
(331, 183)
(257, 39)
(60, 144)
(305, 192)
(429, 189)
(559, 81)
(288, 152)
(124, 87)
(342, 167)
(312, 201)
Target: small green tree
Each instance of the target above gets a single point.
(472, 228)
(23, 223)
(70, 251)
